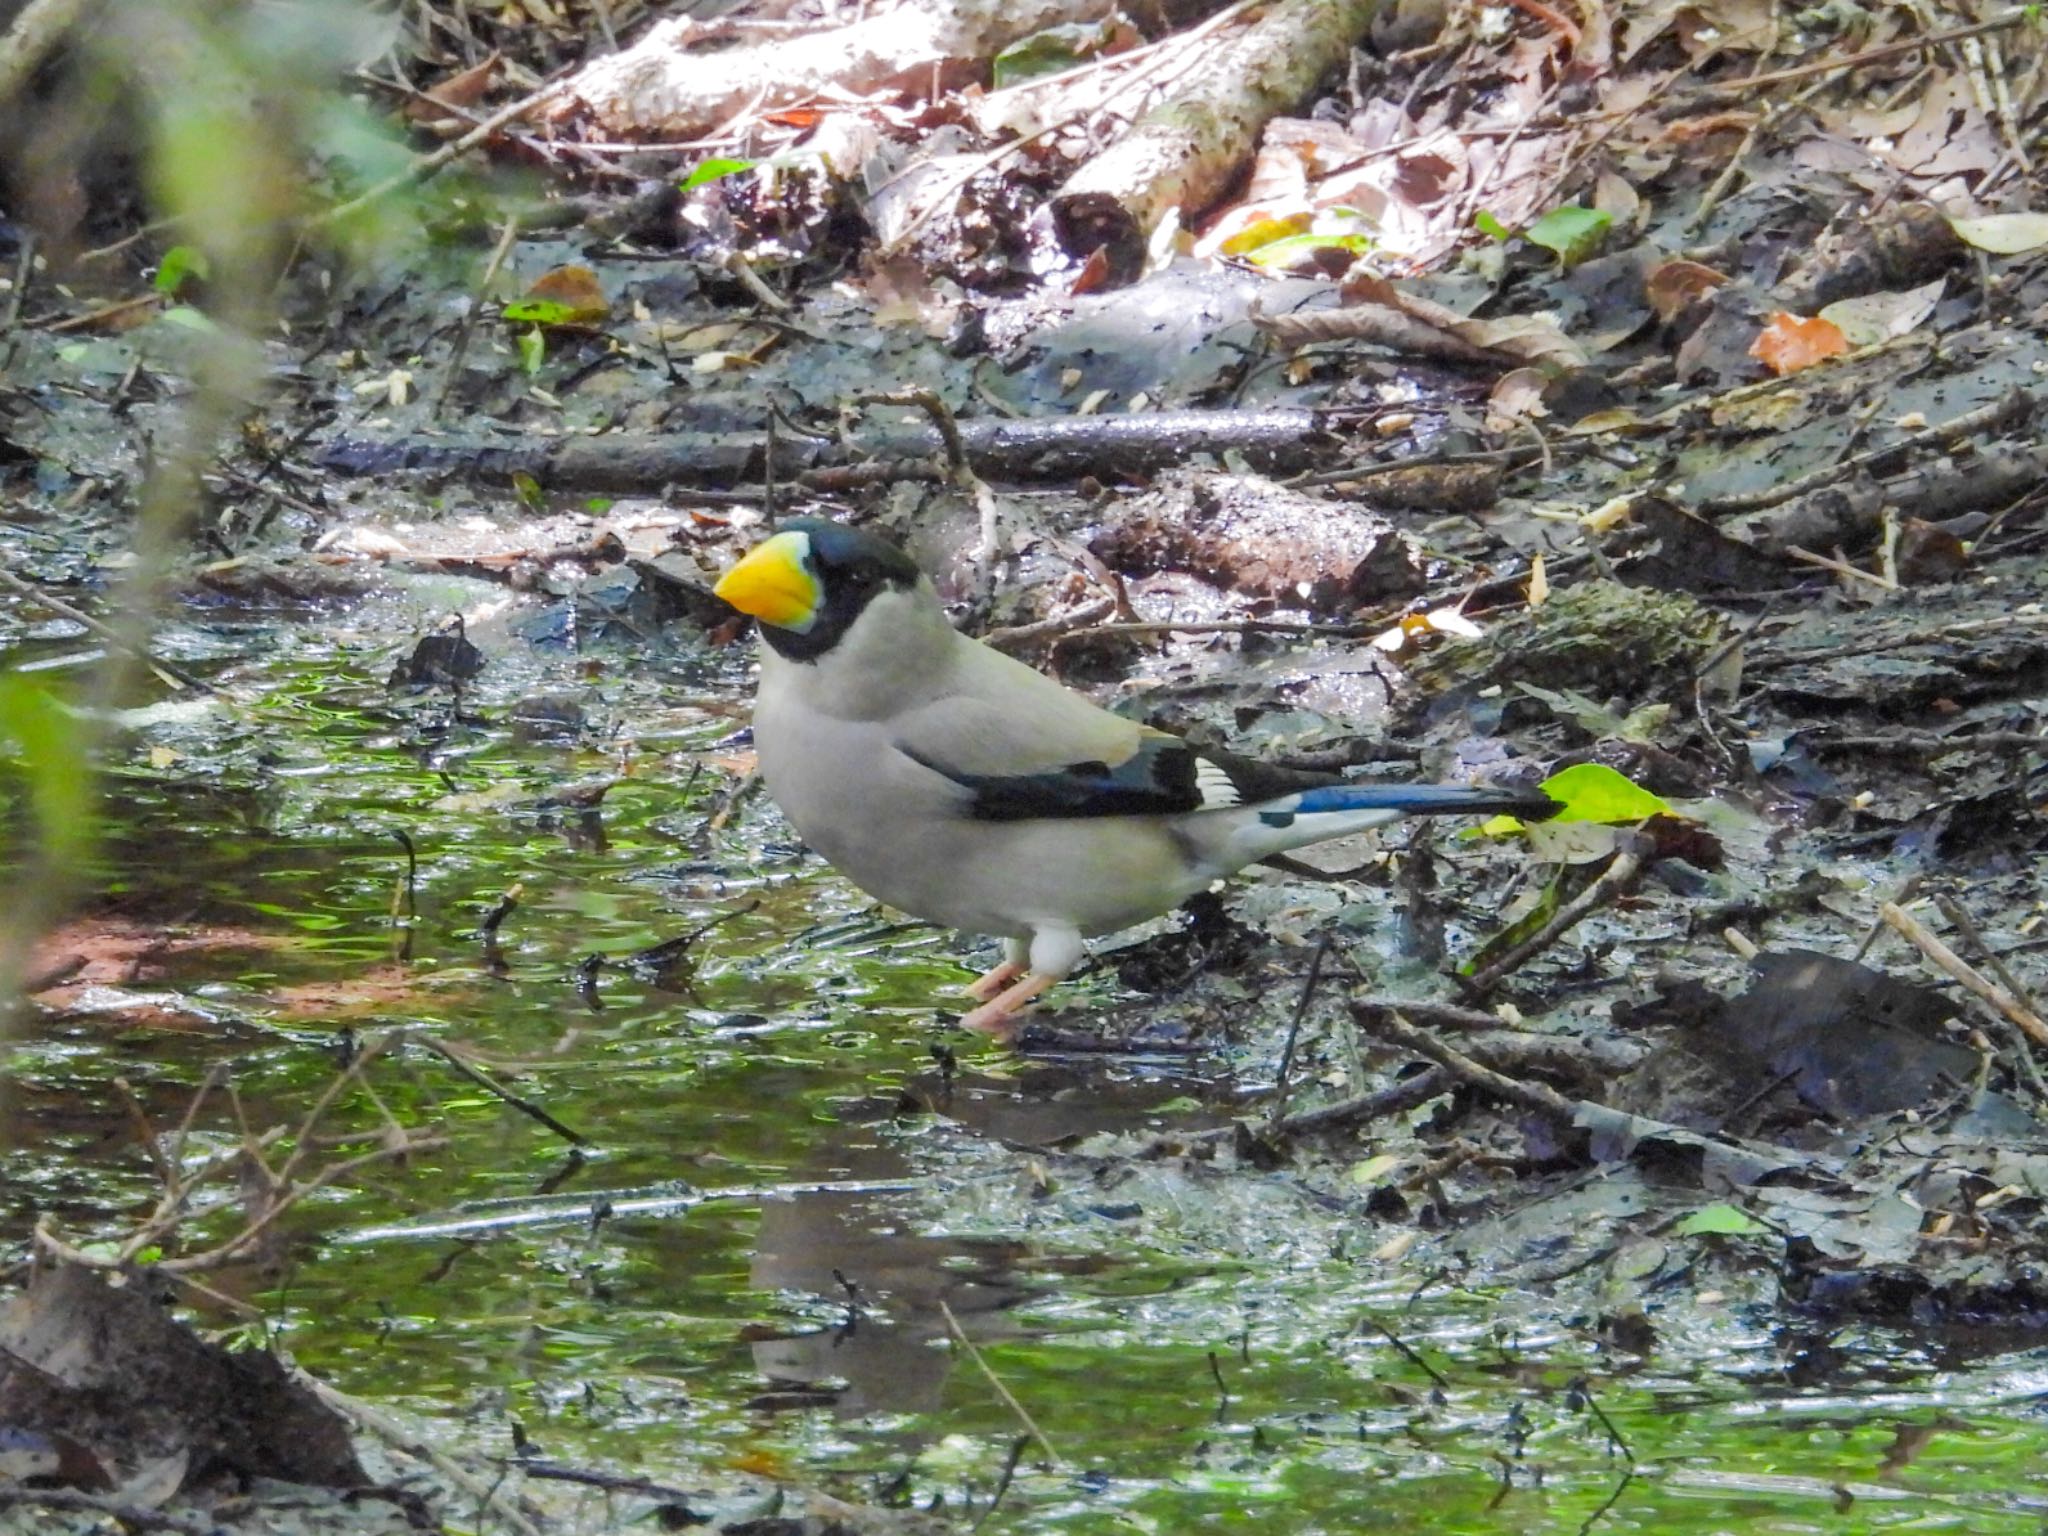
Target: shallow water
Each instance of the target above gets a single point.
(786, 1209)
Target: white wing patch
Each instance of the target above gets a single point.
(1212, 783)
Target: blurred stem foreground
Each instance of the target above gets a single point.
(214, 107)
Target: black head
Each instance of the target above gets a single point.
(811, 580)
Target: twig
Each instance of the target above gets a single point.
(1931, 634)
(467, 329)
(145, 1133)
(1017, 1408)
(1840, 568)
(148, 231)
(1408, 1352)
(738, 267)
(1903, 923)
(24, 269)
(1614, 1436)
(1359, 1109)
(1847, 61)
(1229, 627)
(228, 1252)
(1614, 1494)
(1308, 995)
(1618, 879)
(1734, 642)
(958, 470)
(498, 1090)
(176, 676)
(105, 312)
(1358, 474)
(1958, 915)
(1767, 120)
(1536, 1096)
(1003, 1481)
(942, 418)
(1435, 1015)
(1021, 637)
(1222, 1386)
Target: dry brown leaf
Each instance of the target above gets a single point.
(1517, 398)
(463, 89)
(1678, 285)
(1617, 197)
(1526, 338)
(1952, 138)
(577, 289)
(1707, 27)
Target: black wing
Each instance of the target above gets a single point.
(1164, 777)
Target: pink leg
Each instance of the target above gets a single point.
(996, 1016)
(992, 982)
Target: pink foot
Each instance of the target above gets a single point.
(992, 982)
(998, 1015)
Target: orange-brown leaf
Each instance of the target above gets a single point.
(1791, 342)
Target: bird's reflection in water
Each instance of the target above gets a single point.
(885, 1355)
(887, 1352)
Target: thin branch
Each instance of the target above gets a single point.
(1009, 1399)
(1902, 922)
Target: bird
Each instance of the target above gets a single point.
(959, 785)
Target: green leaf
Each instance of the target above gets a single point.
(181, 264)
(1718, 1220)
(1491, 227)
(1524, 927)
(539, 312)
(46, 745)
(715, 170)
(1594, 792)
(533, 349)
(1574, 233)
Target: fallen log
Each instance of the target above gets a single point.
(1183, 153)
(1039, 448)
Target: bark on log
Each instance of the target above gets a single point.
(660, 87)
(1183, 153)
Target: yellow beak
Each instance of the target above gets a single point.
(772, 584)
